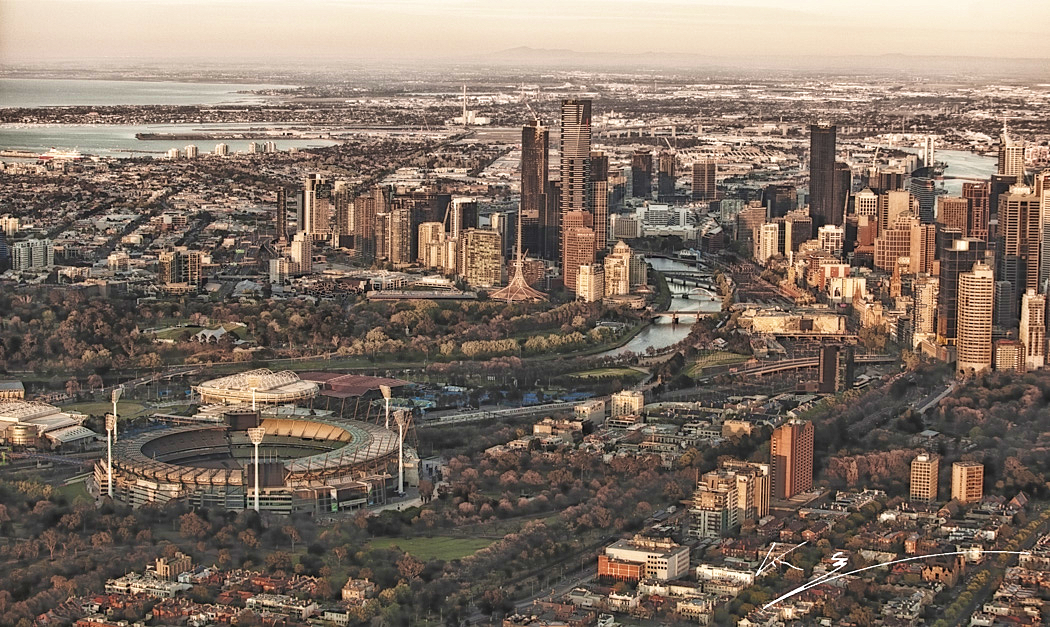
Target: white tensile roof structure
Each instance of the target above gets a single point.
(269, 388)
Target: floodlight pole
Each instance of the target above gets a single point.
(255, 434)
(253, 399)
(385, 389)
(401, 417)
(111, 428)
(115, 396)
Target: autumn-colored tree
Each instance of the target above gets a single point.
(426, 490)
(409, 566)
(248, 538)
(193, 526)
(293, 535)
(51, 539)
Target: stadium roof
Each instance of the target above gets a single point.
(338, 385)
(268, 387)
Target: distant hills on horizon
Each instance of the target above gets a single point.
(892, 62)
(523, 58)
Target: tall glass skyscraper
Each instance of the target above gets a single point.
(536, 218)
(575, 159)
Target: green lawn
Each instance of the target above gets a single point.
(436, 548)
(125, 409)
(717, 358)
(72, 491)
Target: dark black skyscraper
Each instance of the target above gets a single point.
(537, 219)
(822, 198)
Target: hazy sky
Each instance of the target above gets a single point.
(270, 30)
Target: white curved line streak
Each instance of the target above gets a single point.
(826, 579)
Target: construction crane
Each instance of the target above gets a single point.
(535, 117)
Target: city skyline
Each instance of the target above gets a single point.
(465, 29)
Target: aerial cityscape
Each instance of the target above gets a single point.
(442, 314)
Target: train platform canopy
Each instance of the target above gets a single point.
(336, 385)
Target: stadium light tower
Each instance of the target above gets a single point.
(253, 398)
(111, 432)
(401, 417)
(385, 389)
(115, 396)
(255, 434)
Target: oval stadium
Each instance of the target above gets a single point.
(307, 465)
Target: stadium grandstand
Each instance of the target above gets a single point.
(307, 465)
(262, 386)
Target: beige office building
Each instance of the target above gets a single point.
(924, 475)
(967, 482)
(974, 332)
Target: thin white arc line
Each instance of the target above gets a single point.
(826, 579)
(778, 558)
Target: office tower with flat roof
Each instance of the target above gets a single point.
(665, 191)
(590, 283)
(704, 187)
(822, 175)
(1032, 329)
(431, 244)
(579, 251)
(1004, 313)
(798, 228)
(481, 264)
(176, 266)
(977, 195)
(1009, 356)
(974, 316)
(462, 215)
(866, 203)
(779, 200)
(536, 217)
(642, 174)
(967, 482)
(344, 213)
(599, 195)
(791, 458)
(753, 483)
(314, 207)
(401, 238)
(892, 205)
(907, 238)
(302, 252)
(954, 213)
(957, 258)
(925, 293)
(575, 161)
(767, 244)
(830, 237)
(1011, 157)
(1020, 228)
(924, 475)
